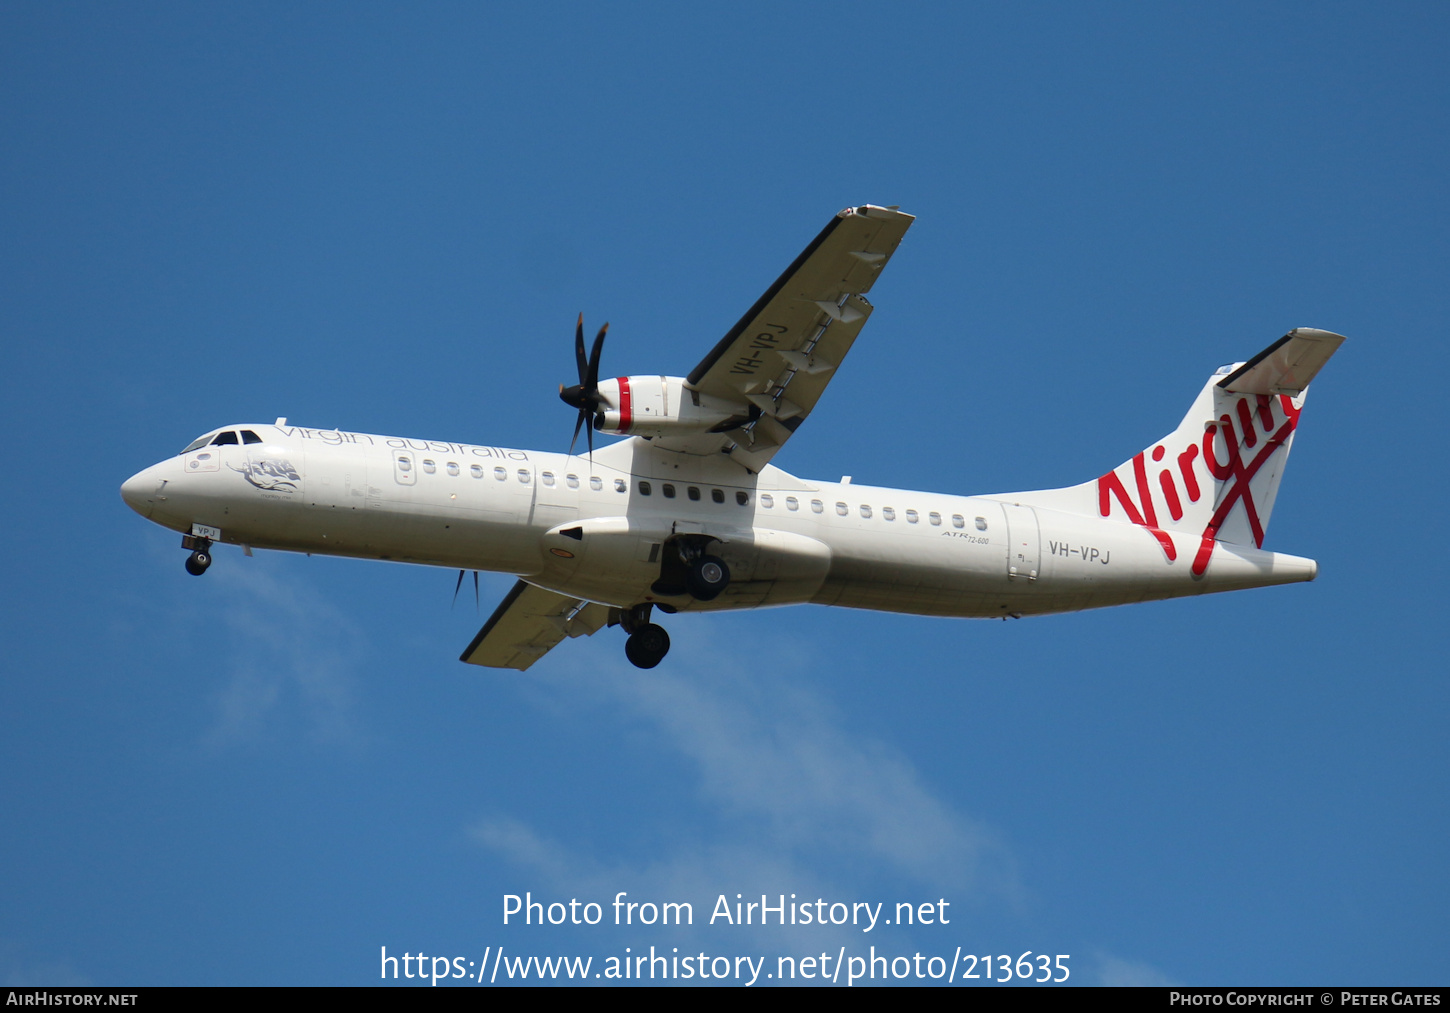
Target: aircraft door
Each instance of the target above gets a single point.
(1024, 544)
(337, 476)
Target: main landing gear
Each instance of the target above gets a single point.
(686, 568)
(200, 557)
(707, 577)
(648, 643)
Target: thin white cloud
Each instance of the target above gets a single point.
(279, 668)
(1115, 971)
(20, 968)
(797, 793)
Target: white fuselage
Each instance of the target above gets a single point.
(587, 527)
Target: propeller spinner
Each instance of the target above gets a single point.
(585, 394)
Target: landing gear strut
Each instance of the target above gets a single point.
(200, 557)
(648, 643)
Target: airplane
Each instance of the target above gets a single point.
(689, 514)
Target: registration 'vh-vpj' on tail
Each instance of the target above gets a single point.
(689, 514)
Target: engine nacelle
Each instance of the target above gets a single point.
(660, 406)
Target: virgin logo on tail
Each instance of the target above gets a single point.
(1221, 439)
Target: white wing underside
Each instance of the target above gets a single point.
(528, 623)
(775, 363)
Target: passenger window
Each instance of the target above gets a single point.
(981, 524)
(224, 438)
(476, 470)
(668, 490)
(842, 509)
(429, 466)
(887, 513)
(596, 483)
(524, 476)
(958, 521)
(742, 498)
(791, 503)
(644, 489)
(767, 500)
(250, 437)
(619, 485)
(694, 492)
(549, 479)
(817, 506)
(453, 467)
(500, 474)
(572, 481)
(405, 464)
(718, 495)
(865, 510)
(934, 517)
(912, 517)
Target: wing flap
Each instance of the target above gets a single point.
(528, 623)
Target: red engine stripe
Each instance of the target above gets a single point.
(626, 415)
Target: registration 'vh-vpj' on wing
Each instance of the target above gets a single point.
(690, 514)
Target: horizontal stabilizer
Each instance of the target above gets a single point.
(528, 623)
(1216, 476)
(1286, 366)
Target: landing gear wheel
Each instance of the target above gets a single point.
(647, 646)
(707, 577)
(197, 562)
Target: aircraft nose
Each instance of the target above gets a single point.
(139, 491)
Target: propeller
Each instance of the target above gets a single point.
(585, 394)
(460, 584)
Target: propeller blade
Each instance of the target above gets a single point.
(476, 605)
(458, 585)
(585, 395)
(591, 385)
(577, 424)
(579, 352)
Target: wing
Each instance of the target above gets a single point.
(528, 623)
(775, 363)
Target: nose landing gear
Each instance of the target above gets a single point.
(648, 643)
(200, 557)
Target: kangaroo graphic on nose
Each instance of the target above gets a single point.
(270, 474)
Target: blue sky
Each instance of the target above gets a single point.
(385, 219)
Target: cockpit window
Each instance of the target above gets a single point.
(250, 437)
(200, 441)
(225, 437)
